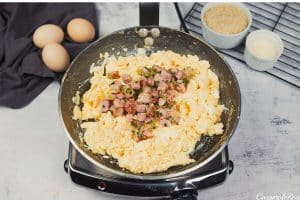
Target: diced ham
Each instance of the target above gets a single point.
(126, 78)
(148, 99)
(154, 100)
(141, 117)
(162, 86)
(154, 93)
(141, 108)
(171, 92)
(166, 76)
(148, 133)
(143, 82)
(130, 106)
(147, 90)
(136, 85)
(151, 110)
(148, 119)
(118, 103)
(144, 98)
(150, 81)
(119, 96)
(170, 95)
(105, 106)
(129, 117)
(170, 99)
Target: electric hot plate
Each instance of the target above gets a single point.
(83, 172)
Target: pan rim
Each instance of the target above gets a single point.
(145, 176)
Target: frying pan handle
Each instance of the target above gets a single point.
(149, 14)
(185, 195)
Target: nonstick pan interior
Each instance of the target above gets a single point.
(77, 75)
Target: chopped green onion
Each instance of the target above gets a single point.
(128, 91)
(110, 97)
(139, 135)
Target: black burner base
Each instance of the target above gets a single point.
(87, 174)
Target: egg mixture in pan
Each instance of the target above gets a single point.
(148, 112)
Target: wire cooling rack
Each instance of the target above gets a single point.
(281, 18)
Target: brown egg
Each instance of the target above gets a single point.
(55, 57)
(81, 30)
(47, 34)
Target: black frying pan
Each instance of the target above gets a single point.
(78, 73)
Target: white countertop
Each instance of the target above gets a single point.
(265, 147)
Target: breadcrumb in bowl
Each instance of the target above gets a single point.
(225, 25)
(226, 19)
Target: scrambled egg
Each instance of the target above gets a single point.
(170, 146)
